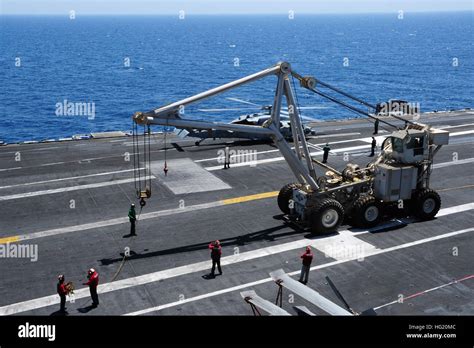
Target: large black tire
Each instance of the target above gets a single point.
(325, 216)
(284, 197)
(426, 204)
(366, 212)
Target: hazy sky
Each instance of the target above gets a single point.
(227, 6)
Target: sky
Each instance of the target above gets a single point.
(169, 7)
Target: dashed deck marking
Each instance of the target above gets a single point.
(69, 178)
(453, 163)
(280, 158)
(66, 189)
(455, 188)
(426, 291)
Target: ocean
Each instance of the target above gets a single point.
(120, 64)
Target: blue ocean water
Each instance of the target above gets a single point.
(82, 60)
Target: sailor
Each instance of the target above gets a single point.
(93, 282)
(226, 158)
(376, 126)
(307, 258)
(132, 216)
(62, 292)
(372, 149)
(326, 150)
(216, 252)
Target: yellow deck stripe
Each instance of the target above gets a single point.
(250, 198)
(235, 200)
(9, 239)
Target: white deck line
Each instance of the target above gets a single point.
(266, 280)
(232, 259)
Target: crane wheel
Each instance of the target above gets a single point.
(325, 216)
(284, 197)
(426, 204)
(366, 212)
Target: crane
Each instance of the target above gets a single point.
(397, 177)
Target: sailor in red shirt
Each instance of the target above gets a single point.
(62, 292)
(216, 252)
(93, 282)
(307, 257)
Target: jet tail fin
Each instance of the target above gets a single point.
(182, 133)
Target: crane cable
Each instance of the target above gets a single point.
(297, 103)
(147, 141)
(140, 183)
(353, 109)
(165, 168)
(344, 93)
(136, 160)
(350, 107)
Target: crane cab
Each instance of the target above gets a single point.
(412, 145)
(407, 146)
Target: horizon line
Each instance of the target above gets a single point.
(66, 13)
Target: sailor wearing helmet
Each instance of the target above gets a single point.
(93, 282)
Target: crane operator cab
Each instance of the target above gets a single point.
(412, 145)
(406, 146)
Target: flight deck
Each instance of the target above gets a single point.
(70, 200)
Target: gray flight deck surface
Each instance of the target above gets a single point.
(71, 199)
